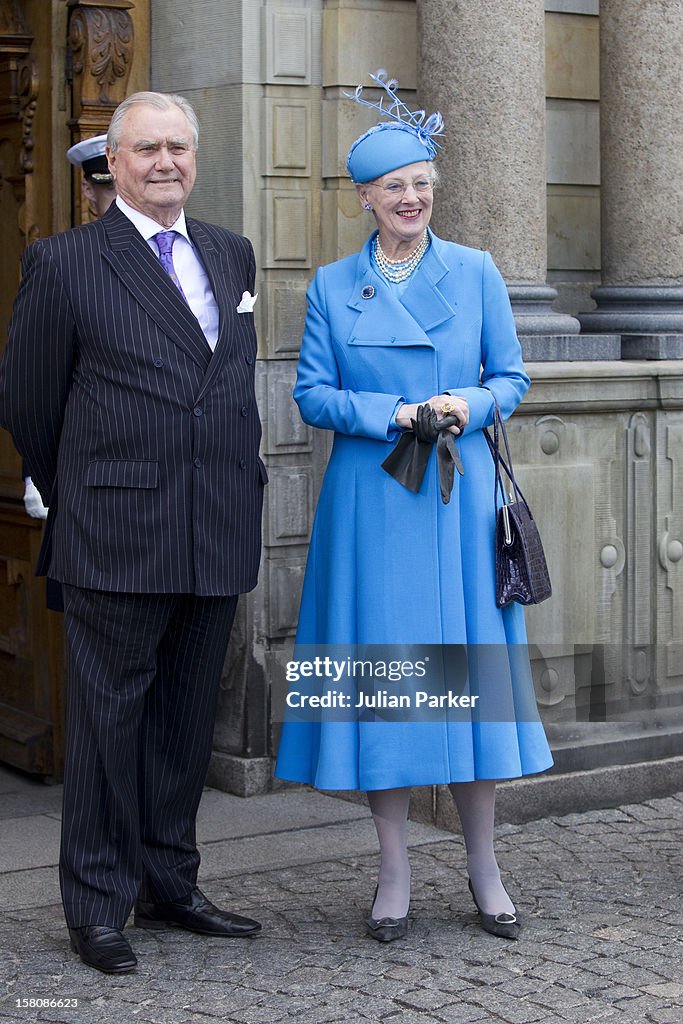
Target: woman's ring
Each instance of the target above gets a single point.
(447, 407)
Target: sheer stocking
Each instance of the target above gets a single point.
(475, 802)
(390, 814)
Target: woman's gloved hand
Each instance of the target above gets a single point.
(408, 460)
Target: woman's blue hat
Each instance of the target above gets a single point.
(406, 138)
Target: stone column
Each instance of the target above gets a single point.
(483, 67)
(641, 143)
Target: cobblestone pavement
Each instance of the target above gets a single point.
(600, 893)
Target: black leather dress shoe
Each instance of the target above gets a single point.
(196, 914)
(386, 929)
(105, 949)
(505, 926)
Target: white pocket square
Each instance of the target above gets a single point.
(247, 303)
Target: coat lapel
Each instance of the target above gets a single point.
(134, 263)
(225, 290)
(400, 321)
(424, 298)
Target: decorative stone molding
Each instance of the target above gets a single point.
(598, 451)
(288, 137)
(670, 548)
(285, 303)
(638, 539)
(637, 310)
(284, 430)
(288, 228)
(285, 579)
(532, 307)
(287, 45)
(669, 543)
(290, 506)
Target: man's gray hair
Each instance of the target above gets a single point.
(160, 100)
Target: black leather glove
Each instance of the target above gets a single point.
(408, 460)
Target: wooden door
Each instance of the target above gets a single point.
(64, 67)
(32, 203)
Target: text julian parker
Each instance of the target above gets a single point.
(380, 699)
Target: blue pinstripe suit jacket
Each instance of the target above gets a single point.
(143, 442)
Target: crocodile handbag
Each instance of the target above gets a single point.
(521, 569)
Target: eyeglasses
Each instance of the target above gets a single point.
(399, 188)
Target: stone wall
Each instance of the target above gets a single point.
(600, 455)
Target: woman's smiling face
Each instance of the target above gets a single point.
(402, 203)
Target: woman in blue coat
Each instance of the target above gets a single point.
(411, 321)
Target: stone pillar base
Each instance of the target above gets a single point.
(531, 306)
(652, 346)
(543, 348)
(243, 776)
(635, 310)
(558, 793)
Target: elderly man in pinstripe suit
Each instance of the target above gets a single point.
(128, 385)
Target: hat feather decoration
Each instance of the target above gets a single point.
(426, 127)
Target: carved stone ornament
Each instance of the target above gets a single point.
(101, 36)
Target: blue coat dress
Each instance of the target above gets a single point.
(387, 566)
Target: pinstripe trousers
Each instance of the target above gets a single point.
(143, 677)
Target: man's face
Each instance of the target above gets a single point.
(154, 166)
(99, 196)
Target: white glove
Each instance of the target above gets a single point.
(33, 503)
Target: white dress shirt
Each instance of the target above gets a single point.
(188, 267)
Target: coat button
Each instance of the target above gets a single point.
(197, 463)
(244, 411)
(249, 359)
(198, 411)
(158, 363)
(243, 463)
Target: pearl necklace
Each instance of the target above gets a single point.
(399, 270)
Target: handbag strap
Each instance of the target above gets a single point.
(498, 458)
